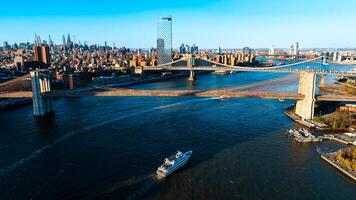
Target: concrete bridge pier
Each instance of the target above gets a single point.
(324, 60)
(191, 64)
(322, 81)
(41, 84)
(192, 76)
(305, 106)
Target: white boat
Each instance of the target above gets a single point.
(173, 163)
(294, 133)
(304, 132)
(220, 72)
(224, 97)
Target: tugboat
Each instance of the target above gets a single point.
(173, 163)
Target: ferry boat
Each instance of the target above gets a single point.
(173, 163)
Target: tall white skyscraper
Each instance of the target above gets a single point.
(164, 40)
(296, 49)
(271, 50)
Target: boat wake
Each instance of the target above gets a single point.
(50, 145)
(318, 149)
(143, 189)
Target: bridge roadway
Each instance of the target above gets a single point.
(171, 93)
(250, 69)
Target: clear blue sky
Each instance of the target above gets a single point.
(209, 24)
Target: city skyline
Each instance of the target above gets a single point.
(209, 24)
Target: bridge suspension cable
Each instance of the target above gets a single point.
(263, 68)
(170, 63)
(337, 82)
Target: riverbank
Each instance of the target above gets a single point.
(331, 159)
(307, 123)
(13, 103)
(340, 138)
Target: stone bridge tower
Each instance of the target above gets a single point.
(40, 85)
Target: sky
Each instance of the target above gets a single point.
(207, 23)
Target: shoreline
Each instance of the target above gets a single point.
(345, 172)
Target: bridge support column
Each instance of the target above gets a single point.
(322, 81)
(305, 106)
(191, 63)
(40, 84)
(324, 60)
(192, 76)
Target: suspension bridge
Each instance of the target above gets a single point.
(308, 70)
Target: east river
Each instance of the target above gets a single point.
(110, 147)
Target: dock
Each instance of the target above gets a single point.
(307, 123)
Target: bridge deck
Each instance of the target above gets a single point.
(161, 93)
(172, 93)
(249, 69)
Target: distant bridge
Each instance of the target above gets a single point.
(317, 65)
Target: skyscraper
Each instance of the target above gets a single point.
(164, 40)
(6, 45)
(68, 40)
(296, 48)
(182, 49)
(246, 51)
(50, 41)
(271, 50)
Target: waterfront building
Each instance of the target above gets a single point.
(164, 40)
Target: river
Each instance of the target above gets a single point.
(110, 147)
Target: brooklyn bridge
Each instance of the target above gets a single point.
(307, 72)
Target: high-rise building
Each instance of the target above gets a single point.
(182, 49)
(6, 45)
(246, 51)
(296, 48)
(68, 40)
(291, 50)
(271, 50)
(164, 40)
(194, 49)
(50, 40)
